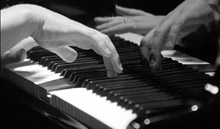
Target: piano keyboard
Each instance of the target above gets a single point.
(135, 99)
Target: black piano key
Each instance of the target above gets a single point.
(116, 94)
(105, 87)
(104, 79)
(132, 91)
(122, 84)
(82, 80)
(147, 93)
(189, 87)
(83, 71)
(58, 67)
(53, 64)
(148, 98)
(47, 59)
(68, 72)
(36, 55)
(91, 80)
(160, 104)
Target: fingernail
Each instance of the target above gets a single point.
(155, 64)
(152, 63)
(97, 27)
(111, 74)
(145, 63)
(22, 54)
(108, 51)
(70, 57)
(22, 51)
(7, 53)
(120, 66)
(169, 44)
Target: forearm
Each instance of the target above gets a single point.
(17, 24)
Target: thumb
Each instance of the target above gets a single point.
(11, 57)
(65, 53)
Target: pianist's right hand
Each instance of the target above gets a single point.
(54, 32)
(183, 20)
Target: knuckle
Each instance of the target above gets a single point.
(145, 42)
(106, 38)
(178, 24)
(158, 32)
(142, 43)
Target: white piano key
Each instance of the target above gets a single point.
(182, 58)
(37, 73)
(175, 55)
(99, 107)
(136, 38)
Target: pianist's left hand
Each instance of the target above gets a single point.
(129, 20)
(54, 32)
(184, 19)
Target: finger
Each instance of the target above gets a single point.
(155, 59)
(106, 43)
(65, 53)
(145, 47)
(144, 54)
(102, 20)
(160, 37)
(105, 46)
(108, 64)
(100, 44)
(96, 50)
(84, 44)
(151, 57)
(11, 57)
(174, 34)
(128, 11)
(26, 44)
(118, 29)
(110, 70)
(18, 52)
(109, 24)
(115, 61)
(180, 28)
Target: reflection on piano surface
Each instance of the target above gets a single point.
(137, 98)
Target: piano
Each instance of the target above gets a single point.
(79, 95)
